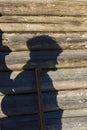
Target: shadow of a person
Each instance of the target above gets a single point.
(47, 61)
(4, 51)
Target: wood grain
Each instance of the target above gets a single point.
(20, 42)
(43, 24)
(28, 122)
(27, 103)
(45, 1)
(60, 114)
(51, 8)
(63, 59)
(24, 81)
(44, 59)
(44, 19)
(28, 27)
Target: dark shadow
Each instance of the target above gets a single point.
(4, 51)
(0, 14)
(37, 58)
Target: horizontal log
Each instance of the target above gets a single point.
(20, 42)
(44, 59)
(45, 1)
(60, 114)
(66, 26)
(27, 103)
(66, 113)
(24, 81)
(44, 8)
(48, 117)
(25, 122)
(43, 19)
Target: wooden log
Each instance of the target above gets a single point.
(51, 8)
(78, 123)
(27, 103)
(44, 19)
(44, 1)
(20, 42)
(60, 27)
(60, 114)
(44, 59)
(24, 81)
(66, 113)
(28, 122)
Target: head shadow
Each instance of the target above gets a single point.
(41, 55)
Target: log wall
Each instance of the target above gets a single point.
(52, 35)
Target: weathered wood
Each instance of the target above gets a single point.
(20, 42)
(60, 27)
(46, 1)
(66, 113)
(60, 113)
(30, 122)
(63, 110)
(26, 122)
(52, 101)
(24, 81)
(44, 59)
(44, 19)
(56, 24)
(57, 8)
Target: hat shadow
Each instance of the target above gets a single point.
(41, 54)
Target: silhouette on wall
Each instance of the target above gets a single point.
(3, 67)
(25, 103)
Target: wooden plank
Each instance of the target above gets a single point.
(45, 1)
(27, 103)
(76, 122)
(60, 114)
(28, 122)
(44, 59)
(51, 8)
(20, 42)
(66, 113)
(60, 27)
(24, 81)
(43, 19)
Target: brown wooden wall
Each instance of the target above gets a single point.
(51, 34)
